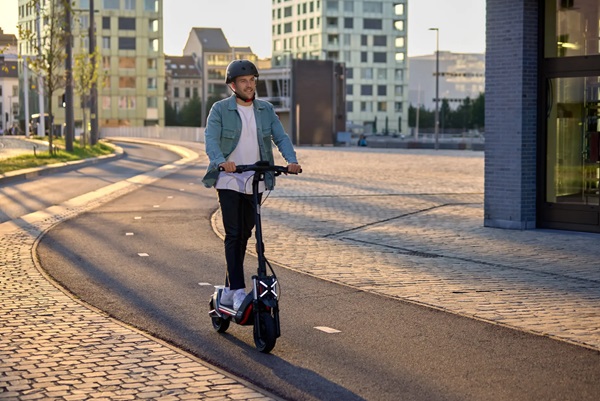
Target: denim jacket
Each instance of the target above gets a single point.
(223, 130)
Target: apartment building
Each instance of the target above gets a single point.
(128, 36)
(183, 80)
(9, 82)
(369, 37)
(212, 53)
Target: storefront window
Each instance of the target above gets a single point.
(573, 165)
(571, 28)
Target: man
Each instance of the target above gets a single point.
(241, 130)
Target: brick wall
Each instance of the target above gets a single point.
(511, 113)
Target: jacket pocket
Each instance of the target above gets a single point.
(228, 141)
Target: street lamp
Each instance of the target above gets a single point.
(437, 84)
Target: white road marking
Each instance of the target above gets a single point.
(137, 218)
(156, 206)
(205, 284)
(128, 234)
(143, 254)
(327, 330)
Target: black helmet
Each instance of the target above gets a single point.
(238, 68)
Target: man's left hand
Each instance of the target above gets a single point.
(294, 168)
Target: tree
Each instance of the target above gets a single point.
(85, 75)
(49, 49)
(171, 115)
(190, 115)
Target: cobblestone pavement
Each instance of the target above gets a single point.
(409, 225)
(55, 348)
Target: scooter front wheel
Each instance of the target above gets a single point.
(221, 325)
(265, 332)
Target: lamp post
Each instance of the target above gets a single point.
(94, 89)
(437, 85)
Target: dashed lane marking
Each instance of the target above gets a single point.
(327, 330)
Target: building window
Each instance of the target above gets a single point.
(126, 43)
(379, 40)
(372, 23)
(381, 90)
(373, 7)
(364, 40)
(126, 102)
(398, 107)
(399, 42)
(287, 11)
(381, 73)
(127, 82)
(106, 42)
(332, 22)
(175, 92)
(152, 63)
(399, 25)
(127, 23)
(332, 5)
(380, 57)
(150, 5)
(349, 107)
(111, 4)
(381, 106)
(153, 25)
(127, 62)
(399, 9)
(349, 73)
(349, 6)
(152, 102)
(366, 106)
(106, 62)
(287, 27)
(152, 83)
(349, 89)
(348, 23)
(187, 93)
(399, 90)
(364, 57)
(129, 4)
(366, 73)
(366, 90)
(105, 22)
(153, 44)
(105, 102)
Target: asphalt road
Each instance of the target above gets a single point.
(150, 258)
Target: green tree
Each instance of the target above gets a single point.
(85, 75)
(190, 113)
(49, 49)
(171, 116)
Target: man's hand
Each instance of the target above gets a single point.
(228, 167)
(294, 168)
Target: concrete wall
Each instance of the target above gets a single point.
(511, 113)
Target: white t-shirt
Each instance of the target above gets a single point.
(246, 152)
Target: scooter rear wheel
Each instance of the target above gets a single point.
(265, 340)
(221, 325)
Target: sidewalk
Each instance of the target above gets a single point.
(402, 223)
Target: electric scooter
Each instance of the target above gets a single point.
(261, 306)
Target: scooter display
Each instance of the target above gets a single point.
(260, 308)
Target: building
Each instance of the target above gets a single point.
(542, 105)
(9, 94)
(183, 80)
(369, 37)
(128, 35)
(461, 75)
(212, 54)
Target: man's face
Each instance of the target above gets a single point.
(245, 86)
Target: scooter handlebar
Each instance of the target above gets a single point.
(261, 167)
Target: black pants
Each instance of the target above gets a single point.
(238, 220)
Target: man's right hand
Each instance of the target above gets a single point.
(228, 167)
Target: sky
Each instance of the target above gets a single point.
(461, 23)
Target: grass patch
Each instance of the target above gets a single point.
(44, 158)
